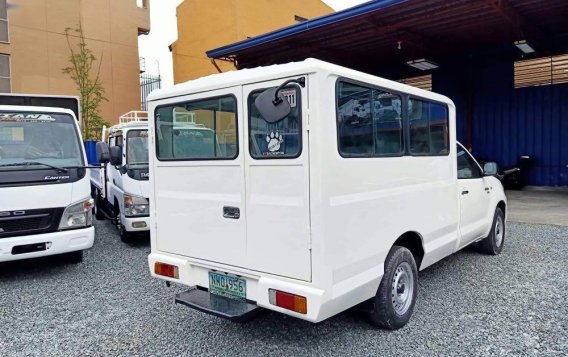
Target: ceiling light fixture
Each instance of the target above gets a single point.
(422, 64)
(524, 46)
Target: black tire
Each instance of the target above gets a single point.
(99, 214)
(386, 310)
(494, 242)
(73, 257)
(125, 236)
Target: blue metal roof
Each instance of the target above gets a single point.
(302, 27)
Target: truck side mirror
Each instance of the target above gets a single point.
(272, 105)
(116, 156)
(103, 154)
(490, 169)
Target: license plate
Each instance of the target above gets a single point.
(226, 285)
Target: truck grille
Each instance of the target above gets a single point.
(24, 222)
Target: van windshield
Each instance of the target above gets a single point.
(137, 148)
(33, 140)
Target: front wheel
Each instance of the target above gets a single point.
(125, 236)
(393, 304)
(493, 243)
(99, 215)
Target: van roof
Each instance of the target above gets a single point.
(266, 73)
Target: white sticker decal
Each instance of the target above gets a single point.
(274, 141)
(290, 95)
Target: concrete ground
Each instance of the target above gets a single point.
(539, 205)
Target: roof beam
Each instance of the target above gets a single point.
(524, 28)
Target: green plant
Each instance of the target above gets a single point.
(91, 90)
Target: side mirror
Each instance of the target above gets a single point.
(272, 105)
(103, 154)
(116, 156)
(490, 169)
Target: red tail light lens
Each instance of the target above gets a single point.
(166, 270)
(288, 301)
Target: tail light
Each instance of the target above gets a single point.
(288, 301)
(168, 270)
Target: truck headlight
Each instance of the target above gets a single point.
(136, 206)
(78, 215)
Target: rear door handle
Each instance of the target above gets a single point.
(465, 192)
(231, 212)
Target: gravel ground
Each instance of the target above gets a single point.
(468, 304)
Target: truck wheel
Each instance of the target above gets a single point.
(125, 236)
(394, 303)
(493, 243)
(99, 215)
(73, 257)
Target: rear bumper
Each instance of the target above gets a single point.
(58, 242)
(322, 303)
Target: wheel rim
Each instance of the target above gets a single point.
(119, 223)
(402, 288)
(499, 231)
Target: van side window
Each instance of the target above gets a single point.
(369, 121)
(204, 129)
(467, 168)
(429, 128)
(278, 140)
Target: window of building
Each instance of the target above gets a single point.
(142, 3)
(541, 71)
(422, 82)
(4, 36)
(5, 83)
(278, 140)
(204, 129)
(369, 121)
(428, 128)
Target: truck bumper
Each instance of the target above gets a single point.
(321, 303)
(136, 224)
(55, 243)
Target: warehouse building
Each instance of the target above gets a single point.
(503, 62)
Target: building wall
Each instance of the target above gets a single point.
(509, 122)
(205, 25)
(39, 51)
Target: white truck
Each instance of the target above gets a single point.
(121, 188)
(322, 188)
(45, 203)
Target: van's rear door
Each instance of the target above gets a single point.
(277, 185)
(199, 177)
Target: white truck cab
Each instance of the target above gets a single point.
(317, 188)
(45, 203)
(121, 188)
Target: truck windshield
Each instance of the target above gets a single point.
(137, 148)
(34, 140)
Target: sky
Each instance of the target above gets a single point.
(163, 32)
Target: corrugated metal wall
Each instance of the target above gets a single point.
(510, 122)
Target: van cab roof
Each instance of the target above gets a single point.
(25, 108)
(266, 73)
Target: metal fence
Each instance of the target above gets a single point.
(148, 83)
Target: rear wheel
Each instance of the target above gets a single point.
(393, 304)
(493, 243)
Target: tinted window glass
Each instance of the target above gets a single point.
(39, 137)
(201, 129)
(429, 127)
(276, 140)
(137, 147)
(467, 168)
(369, 121)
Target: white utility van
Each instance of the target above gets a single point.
(121, 188)
(322, 188)
(45, 203)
